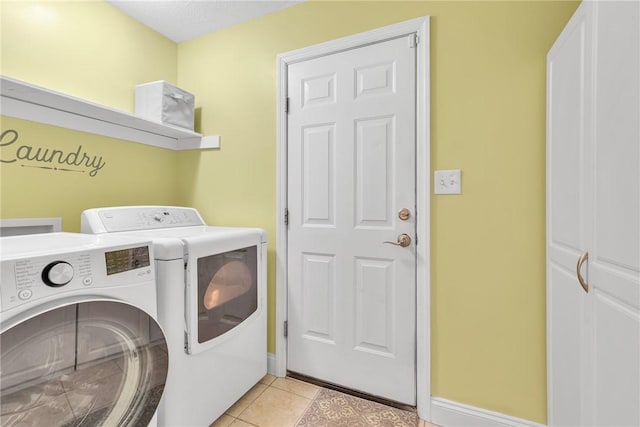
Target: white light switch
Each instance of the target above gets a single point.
(447, 182)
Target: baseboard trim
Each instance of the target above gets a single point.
(271, 364)
(449, 413)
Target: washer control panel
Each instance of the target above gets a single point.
(28, 279)
(24, 280)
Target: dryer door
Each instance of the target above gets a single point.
(89, 363)
(223, 292)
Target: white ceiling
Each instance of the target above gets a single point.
(181, 20)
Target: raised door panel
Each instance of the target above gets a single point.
(375, 79)
(617, 134)
(318, 174)
(318, 90)
(566, 151)
(375, 306)
(373, 170)
(616, 372)
(565, 345)
(318, 301)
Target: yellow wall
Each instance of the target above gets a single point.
(128, 173)
(488, 109)
(93, 51)
(85, 48)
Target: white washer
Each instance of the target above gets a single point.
(211, 304)
(79, 342)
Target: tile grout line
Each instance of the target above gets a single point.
(251, 403)
(299, 394)
(274, 387)
(307, 407)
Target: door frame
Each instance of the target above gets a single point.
(419, 26)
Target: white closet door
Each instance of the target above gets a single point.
(593, 202)
(614, 257)
(567, 202)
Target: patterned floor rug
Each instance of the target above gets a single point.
(334, 409)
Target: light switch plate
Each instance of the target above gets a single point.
(447, 182)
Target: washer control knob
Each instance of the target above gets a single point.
(57, 273)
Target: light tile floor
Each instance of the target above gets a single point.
(273, 402)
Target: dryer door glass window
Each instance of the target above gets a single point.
(227, 291)
(98, 363)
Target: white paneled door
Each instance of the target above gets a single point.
(566, 222)
(352, 254)
(593, 166)
(614, 258)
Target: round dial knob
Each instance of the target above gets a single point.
(57, 273)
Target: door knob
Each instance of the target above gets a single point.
(404, 240)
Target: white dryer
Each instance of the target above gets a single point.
(211, 304)
(79, 340)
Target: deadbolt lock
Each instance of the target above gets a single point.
(404, 214)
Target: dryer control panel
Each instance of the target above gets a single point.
(133, 218)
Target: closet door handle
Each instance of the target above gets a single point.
(583, 258)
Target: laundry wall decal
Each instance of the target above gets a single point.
(33, 156)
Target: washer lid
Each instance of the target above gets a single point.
(134, 218)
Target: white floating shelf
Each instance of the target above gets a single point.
(30, 102)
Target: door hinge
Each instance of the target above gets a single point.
(286, 328)
(286, 216)
(286, 105)
(413, 40)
